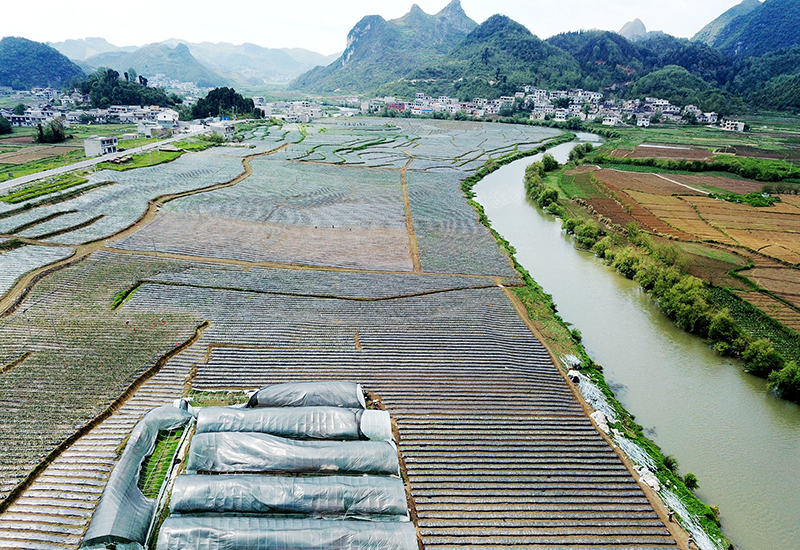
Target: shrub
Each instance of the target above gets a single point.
(603, 248)
(549, 163)
(786, 382)
(761, 359)
(687, 302)
(626, 261)
(723, 328)
(691, 481)
(588, 233)
(547, 197)
(671, 463)
(555, 209)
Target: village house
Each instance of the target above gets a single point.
(733, 126)
(96, 146)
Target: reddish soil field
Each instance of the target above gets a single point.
(19, 140)
(611, 210)
(741, 187)
(646, 183)
(663, 152)
(781, 281)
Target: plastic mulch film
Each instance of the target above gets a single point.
(123, 514)
(247, 452)
(310, 394)
(298, 422)
(362, 497)
(258, 533)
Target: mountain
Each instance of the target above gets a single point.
(708, 34)
(251, 63)
(176, 63)
(769, 27)
(25, 64)
(84, 48)
(498, 58)
(634, 30)
(379, 51)
(609, 61)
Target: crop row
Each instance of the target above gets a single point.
(82, 355)
(122, 204)
(15, 263)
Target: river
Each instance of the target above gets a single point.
(719, 422)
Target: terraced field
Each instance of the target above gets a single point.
(346, 250)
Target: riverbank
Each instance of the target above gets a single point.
(564, 342)
(703, 409)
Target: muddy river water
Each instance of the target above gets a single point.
(720, 423)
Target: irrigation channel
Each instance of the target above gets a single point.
(719, 422)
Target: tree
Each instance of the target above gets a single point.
(5, 126)
(222, 101)
(19, 109)
(53, 132)
(105, 88)
(133, 75)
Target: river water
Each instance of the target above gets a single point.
(720, 423)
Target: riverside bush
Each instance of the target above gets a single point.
(786, 382)
(761, 359)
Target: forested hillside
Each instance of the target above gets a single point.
(25, 64)
(177, 63)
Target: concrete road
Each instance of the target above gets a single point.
(91, 162)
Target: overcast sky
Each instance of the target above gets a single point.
(322, 25)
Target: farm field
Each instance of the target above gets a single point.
(677, 205)
(783, 282)
(663, 152)
(779, 311)
(361, 211)
(29, 154)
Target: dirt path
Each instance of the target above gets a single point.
(13, 298)
(412, 236)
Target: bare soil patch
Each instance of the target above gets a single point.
(19, 140)
(781, 281)
(741, 187)
(791, 155)
(645, 183)
(30, 154)
(663, 152)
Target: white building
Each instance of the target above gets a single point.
(733, 126)
(96, 146)
(223, 129)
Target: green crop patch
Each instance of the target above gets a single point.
(157, 465)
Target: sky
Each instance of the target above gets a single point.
(322, 25)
